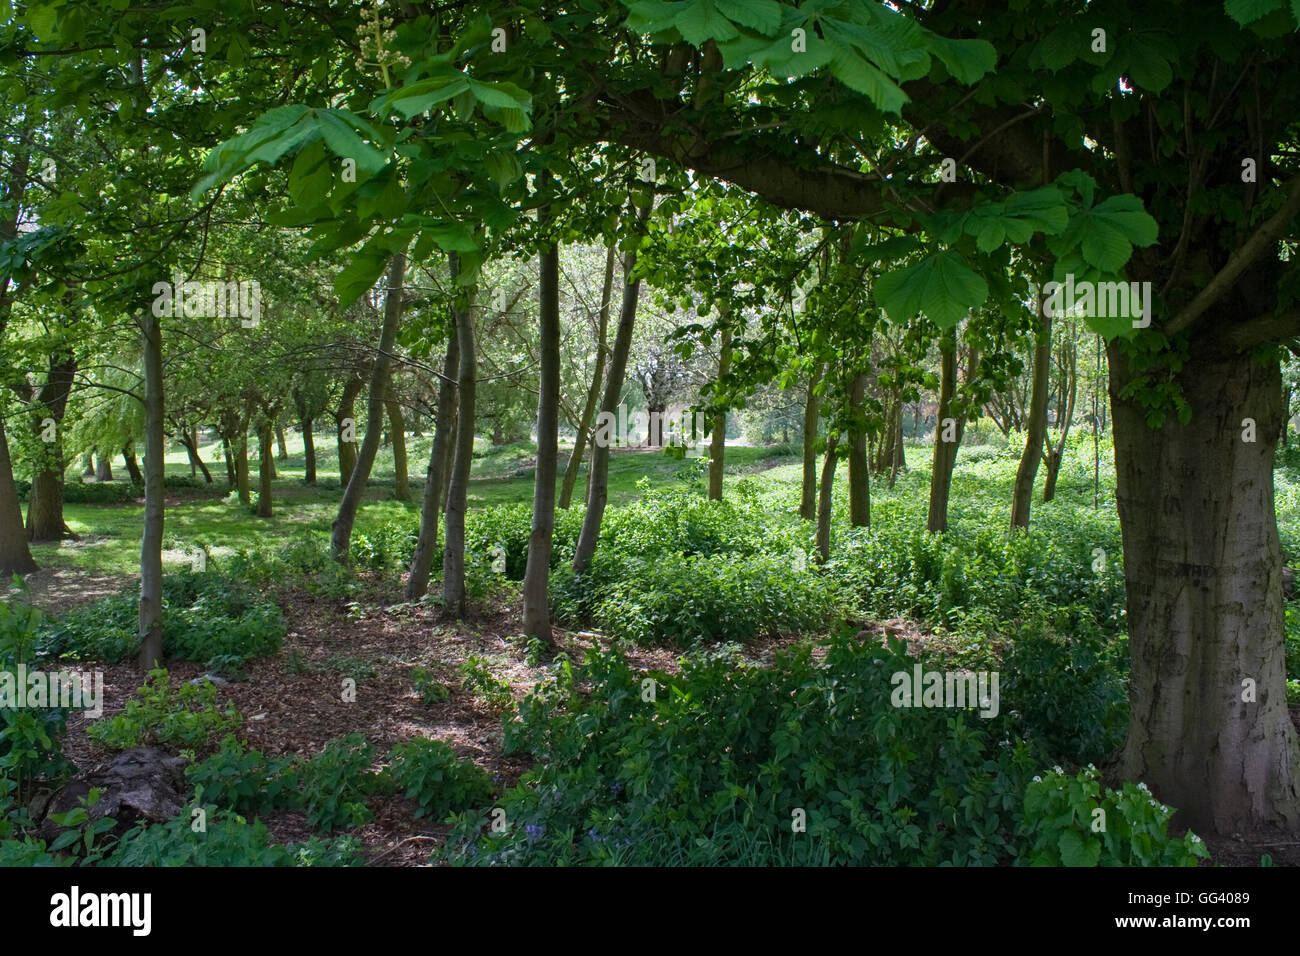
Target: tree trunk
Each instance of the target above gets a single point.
(899, 459)
(537, 608)
(452, 431)
(1065, 419)
(1036, 425)
(103, 468)
(192, 450)
(15, 554)
(231, 477)
(45, 500)
(241, 469)
(132, 466)
(309, 452)
(824, 503)
(1202, 564)
(947, 440)
(265, 468)
(397, 430)
(597, 378)
(859, 478)
(417, 584)
(282, 449)
(718, 446)
(599, 473)
(341, 538)
(808, 494)
(151, 568)
(655, 430)
(88, 465)
(347, 415)
(453, 550)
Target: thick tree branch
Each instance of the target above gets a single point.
(1268, 233)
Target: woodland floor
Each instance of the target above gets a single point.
(292, 703)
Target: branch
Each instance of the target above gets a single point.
(1269, 231)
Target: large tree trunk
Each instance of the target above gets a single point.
(947, 436)
(132, 466)
(151, 569)
(597, 378)
(859, 477)
(282, 449)
(45, 500)
(431, 508)
(537, 609)
(341, 538)
(598, 493)
(1209, 728)
(15, 554)
(718, 446)
(266, 468)
(397, 430)
(347, 414)
(103, 467)
(824, 503)
(808, 493)
(453, 550)
(1036, 426)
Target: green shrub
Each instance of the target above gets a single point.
(187, 716)
(1067, 693)
(800, 763)
(335, 784)
(226, 840)
(30, 748)
(479, 681)
(244, 781)
(429, 772)
(683, 600)
(430, 689)
(209, 618)
(1072, 823)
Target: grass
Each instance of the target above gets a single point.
(110, 534)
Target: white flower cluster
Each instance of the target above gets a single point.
(376, 39)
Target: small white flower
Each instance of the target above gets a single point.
(1037, 779)
(1143, 787)
(1195, 838)
(1057, 769)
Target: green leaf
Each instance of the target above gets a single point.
(761, 15)
(1149, 69)
(853, 71)
(418, 97)
(699, 21)
(343, 140)
(44, 21)
(967, 60)
(941, 286)
(1248, 11)
(1075, 851)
